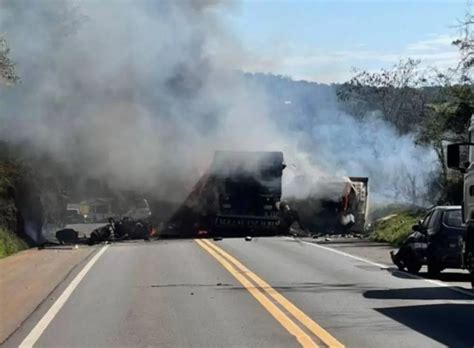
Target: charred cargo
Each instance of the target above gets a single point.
(339, 206)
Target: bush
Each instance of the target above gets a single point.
(395, 229)
(10, 243)
(9, 175)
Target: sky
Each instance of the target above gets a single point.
(323, 40)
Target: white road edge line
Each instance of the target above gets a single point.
(386, 267)
(41, 326)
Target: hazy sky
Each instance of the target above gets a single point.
(322, 40)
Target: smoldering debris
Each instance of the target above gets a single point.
(114, 231)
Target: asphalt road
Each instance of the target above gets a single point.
(270, 292)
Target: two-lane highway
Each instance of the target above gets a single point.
(274, 292)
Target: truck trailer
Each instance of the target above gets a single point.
(237, 196)
(341, 208)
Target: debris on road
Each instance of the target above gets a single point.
(121, 230)
(124, 229)
(67, 236)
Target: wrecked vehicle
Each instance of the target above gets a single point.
(97, 209)
(461, 158)
(335, 205)
(139, 209)
(436, 242)
(238, 195)
(124, 229)
(73, 217)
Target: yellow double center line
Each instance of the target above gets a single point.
(263, 293)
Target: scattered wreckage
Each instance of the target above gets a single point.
(334, 205)
(241, 195)
(123, 229)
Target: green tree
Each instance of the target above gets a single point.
(395, 93)
(449, 117)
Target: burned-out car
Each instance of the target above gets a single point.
(121, 230)
(436, 241)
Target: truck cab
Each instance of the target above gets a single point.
(461, 157)
(239, 195)
(247, 190)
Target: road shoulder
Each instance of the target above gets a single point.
(373, 251)
(29, 277)
(379, 253)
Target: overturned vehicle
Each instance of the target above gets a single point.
(239, 195)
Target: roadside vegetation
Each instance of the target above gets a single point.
(10, 243)
(395, 228)
(11, 235)
(432, 106)
(435, 107)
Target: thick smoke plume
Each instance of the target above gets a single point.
(140, 93)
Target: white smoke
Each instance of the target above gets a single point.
(141, 93)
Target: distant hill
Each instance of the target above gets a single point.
(344, 140)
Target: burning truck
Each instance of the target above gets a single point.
(335, 205)
(238, 195)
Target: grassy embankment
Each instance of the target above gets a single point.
(10, 243)
(395, 226)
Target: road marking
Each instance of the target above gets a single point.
(41, 326)
(340, 253)
(386, 267)
(310, 324)
(281, 317)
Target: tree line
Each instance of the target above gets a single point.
(435, 106)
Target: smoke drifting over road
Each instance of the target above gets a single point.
(141, 93)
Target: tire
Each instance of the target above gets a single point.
(434, 268)
(411, 262)
(413, 267)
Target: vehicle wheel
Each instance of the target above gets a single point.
(413, 267)
(411, 262)
(434, 268)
